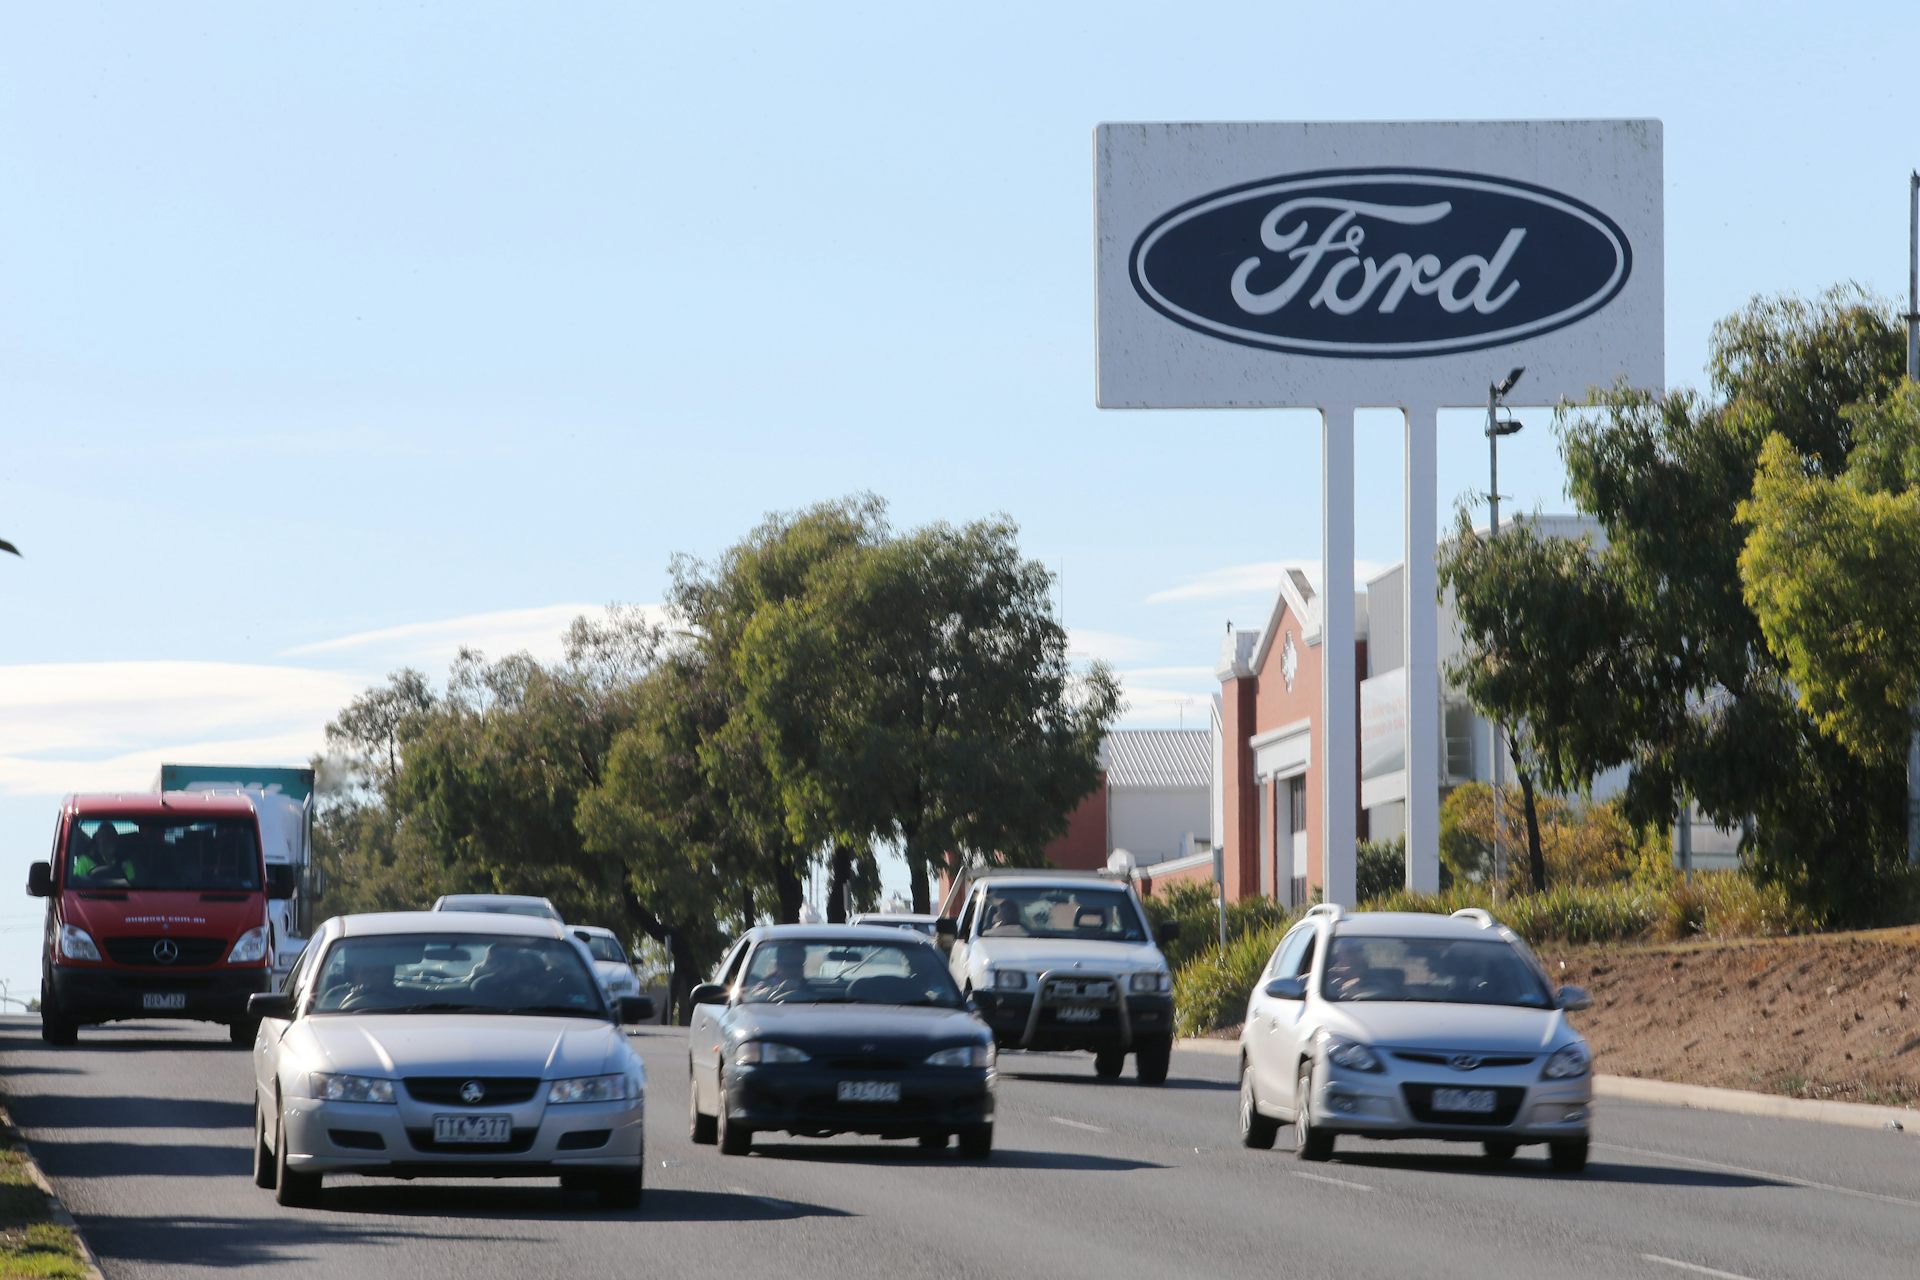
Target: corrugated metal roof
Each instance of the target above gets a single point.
(1159, 758)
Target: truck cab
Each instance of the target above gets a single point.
(157, 907)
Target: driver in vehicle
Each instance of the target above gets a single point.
(514, 977)
(1347, 973)
(365, 983)
(786, 979)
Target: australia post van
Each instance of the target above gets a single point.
(157, 907)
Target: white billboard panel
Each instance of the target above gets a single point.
(1389, 264)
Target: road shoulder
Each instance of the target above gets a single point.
(38, 1237)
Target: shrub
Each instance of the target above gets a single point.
(1210, 991)
(1192, 905)
(1381, 867)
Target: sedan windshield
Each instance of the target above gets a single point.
(456, 973)
(796, 971)
(1436, 970)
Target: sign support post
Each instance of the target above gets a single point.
(1420, 603)
(1339, 679)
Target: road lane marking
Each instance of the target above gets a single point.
(1694, 1267)
(779, 1206)
(1332, 1182)
(1787, 1178)
(1078, 1124)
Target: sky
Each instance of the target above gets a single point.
(335, 337)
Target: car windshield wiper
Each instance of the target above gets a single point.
(437, 1006)
(554, 1010)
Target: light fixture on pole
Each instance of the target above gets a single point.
(1497, 427)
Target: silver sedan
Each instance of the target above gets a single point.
(446, 1044)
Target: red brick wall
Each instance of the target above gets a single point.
(1083, 847)
(1239, 797)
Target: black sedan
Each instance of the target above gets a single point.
(816, 1030)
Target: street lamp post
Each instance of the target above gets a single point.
(1497, 427)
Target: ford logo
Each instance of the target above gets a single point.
(1380, 263)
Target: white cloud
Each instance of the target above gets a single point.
(1258, 579)
(1108, 646)
(1163, 707)
(539, 631)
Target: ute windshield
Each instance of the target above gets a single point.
(795, 971)
(456, 973)
(1083, 914)
(1432, 970)
(164, 853)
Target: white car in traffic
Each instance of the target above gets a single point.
(609, 959)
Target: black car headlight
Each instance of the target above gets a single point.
(966, 1055)
(766, 1053)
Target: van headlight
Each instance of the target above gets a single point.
(588, 1089)
(1152, 983)
(1569, 1063)
(77, 944)
(251, 949)
(332, 1088)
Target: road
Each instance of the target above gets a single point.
(144, 1129)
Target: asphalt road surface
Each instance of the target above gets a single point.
(144, 1128)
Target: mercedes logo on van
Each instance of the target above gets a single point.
(1380, 263)
(166, 951)
(472, 1092)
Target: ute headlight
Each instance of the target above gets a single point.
(767, 1053)
(251, 949)
(588, 1089)
(1351, 1054)
(1152, 983)
(332, 1088)
(1009, 980)
(1569, 1063)
(966, 1055)
(77, 944)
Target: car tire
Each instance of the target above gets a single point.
(1109, 1063)
(55, 1028)
(1256, 1131)
(621, 1190)
(976, 1143)
(933, 1142)
(1499, 1152)
(243, 1032)
(734, 1139)
(1309, 1141)
(702, 1128)
(264, 1174)
(1151, 1059)
(292, 1188)
(1569, 1156)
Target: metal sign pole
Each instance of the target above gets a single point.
(1420, 603)
(1339, 686)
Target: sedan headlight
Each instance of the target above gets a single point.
(1569, 1063)
(251, 949)
(588, 1089)
(966, 1055)
(1159, 983)
(766, 1053)
(77, 944)
(1351, 1054)
(1009, 980)
(332, 1088)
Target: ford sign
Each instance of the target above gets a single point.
(1380, 263)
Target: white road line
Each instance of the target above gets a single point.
(783, 1206)
(1694, 1267)
(1332, 1182)
(1787, 1178)
(1078, 1124)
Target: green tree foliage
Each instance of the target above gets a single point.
(1647, 652)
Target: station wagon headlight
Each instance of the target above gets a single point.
(332, 1088)
(1350, 1054)
(77, 944)
(1152, 983)
(1009, 980)
(251, 949)
(588, 1089)
(1569, 1063)
(966, 1055)
(766, 1053)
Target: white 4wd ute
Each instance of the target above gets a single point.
(1061, 960)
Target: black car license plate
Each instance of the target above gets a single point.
(868, 1091)
(1077, 1013)
(472, 1129)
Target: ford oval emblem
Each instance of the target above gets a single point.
(1380, 263)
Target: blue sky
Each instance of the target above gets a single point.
(333, 337)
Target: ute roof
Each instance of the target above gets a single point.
(389, 922)
(156, 803)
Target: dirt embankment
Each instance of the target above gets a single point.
(1833, 1016)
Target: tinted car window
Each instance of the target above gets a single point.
(455, 973)
(797, 971)
(1020, 911)
(164, 853)
(1432, 970)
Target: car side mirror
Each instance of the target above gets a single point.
(1574, 999)
(1168, 931)
(40, 880)
(636, 1008)
(282, 880)
(708, 993)
(270, 1004)
(1294, 988)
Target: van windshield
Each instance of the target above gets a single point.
(163, 853)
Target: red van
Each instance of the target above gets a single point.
(156, 908)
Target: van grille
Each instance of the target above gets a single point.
(139, 952)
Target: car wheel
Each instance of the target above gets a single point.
(933, 1142)
(1108, 1063)
(1256, 1130)
(701, 1127)
(263, 1171)
(976, 1143)
(1150, 1060)
(1309, 1143)
(293, 1188)
(54, 1028)
(735, 1139)
(620, 1190)
(243, 1032)
(1499, 1152)
(1569, 1156)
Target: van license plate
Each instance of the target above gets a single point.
(868, 1091)
(164, 1000)
(1469, 1101)
(473, 1128)
(1077, 1013)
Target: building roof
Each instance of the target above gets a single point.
(1159, 758)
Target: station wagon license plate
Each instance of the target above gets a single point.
(164, 1000)
(1077, 1013)
(1466, 1101)
(869, 1091)
(475, 1129)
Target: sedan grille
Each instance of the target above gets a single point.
(522, 1140)
(1466, 1061)
(497, 1091)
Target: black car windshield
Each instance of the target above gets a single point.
(1089, 914)
(218, 854)
(821, 971)
(456, 973)
(1434, 970)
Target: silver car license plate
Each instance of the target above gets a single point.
(1465, 1101)
(1077, 1013)
(472, 1129)
(164, 1000)
(869, 1091)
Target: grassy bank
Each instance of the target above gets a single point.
(31, 1242)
